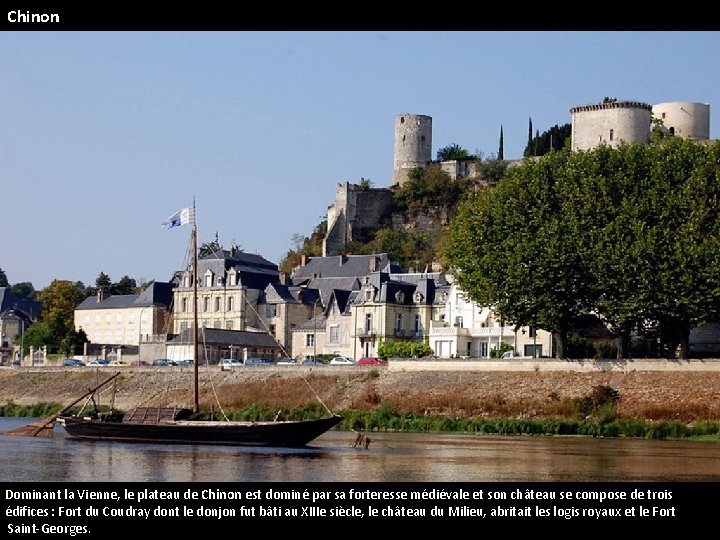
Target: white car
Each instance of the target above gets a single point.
(230, 363)
(342, 361)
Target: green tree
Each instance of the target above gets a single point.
(511, 249)
(555, 138)
(452, 151)
(126, 285)
(37, 335)
(103, 281)
(501, 149)
(3, 279)
(58, 301)
(631, 234)
(210, 249)
(24, 290)
(408, 248)
(428, 188)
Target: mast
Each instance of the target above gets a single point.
(196, 358)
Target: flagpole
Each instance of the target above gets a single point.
(195, 311)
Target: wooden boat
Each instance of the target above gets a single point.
(168, 425)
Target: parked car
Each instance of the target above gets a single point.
(182, 363)
(73, 362)
(139, 363)
(118, 363)
(258, 362)
(229, 363)
(97, 363)
(286, 361)
(314, 361)
(342, 361)
(372, 361)
(161, 362)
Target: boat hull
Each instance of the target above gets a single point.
(281, 433)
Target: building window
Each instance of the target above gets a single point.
(208, 280)
(417, 327)
(399, 321)
(183, 326)
(230, 303)
(184, 305)
(217, 324)
(459, 321)
(612, 134)
(271, 310)
(218, 304)
(309, 340)
(206, 303)
(334, 333)
(228, 325)
(368, 322)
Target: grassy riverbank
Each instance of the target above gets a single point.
(649, 405)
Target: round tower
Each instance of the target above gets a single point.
(684, 119)
(413, 144)
(611, 123)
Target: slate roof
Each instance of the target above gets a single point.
(155, 294)
(341, 266)
(9, 300)
(255, 272)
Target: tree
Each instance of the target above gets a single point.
(452, 151)
(24, 290)
(58, 301)
(501, 150)
(103, 281)
(3, 279)
(210, 249)
(555, 138)
(530, 137)
(630, 234)
(126, 285)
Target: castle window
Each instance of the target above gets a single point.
(612, 134)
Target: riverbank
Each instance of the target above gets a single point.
(655, 396)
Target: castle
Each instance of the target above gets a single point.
(359, 210)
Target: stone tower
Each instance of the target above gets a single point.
(610, 123)
(684, 119)
(413, 144)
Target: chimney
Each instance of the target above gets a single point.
(343, 259)
(372, 264)
(100, 294)
(283, 278)
(303, 260)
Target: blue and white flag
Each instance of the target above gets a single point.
(179, 218)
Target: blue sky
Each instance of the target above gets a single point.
(105, 134)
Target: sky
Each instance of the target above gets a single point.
(105, 134)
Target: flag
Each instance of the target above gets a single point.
(181, 217)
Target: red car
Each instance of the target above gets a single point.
(372, 361)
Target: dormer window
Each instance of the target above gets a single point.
(399, 297)
(418, 297)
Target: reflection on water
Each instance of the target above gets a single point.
(395, 457)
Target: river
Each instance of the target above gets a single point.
(390, 457)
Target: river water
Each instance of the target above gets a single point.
(390, 457)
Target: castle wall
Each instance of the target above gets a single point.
(684, 119)
(356, 211)
(610, 123)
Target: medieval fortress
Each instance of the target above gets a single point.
(358, 210)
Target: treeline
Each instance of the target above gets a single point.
(630, 235)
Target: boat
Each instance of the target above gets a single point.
(165, 425)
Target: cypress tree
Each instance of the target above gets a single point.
(501, 149)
